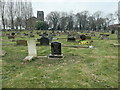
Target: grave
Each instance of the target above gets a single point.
(70, 38)
(11, 37)
(21, 42)
(113, 32)
(13, 34)
(45, 34)
(25, 34)
(56, 50)
(44, 41)
(104, 36)
(31, 35)
(32, 53)
(82, 37)
(50, 37)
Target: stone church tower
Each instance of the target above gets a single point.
(40, 15)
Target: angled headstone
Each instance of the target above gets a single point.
(32, 48)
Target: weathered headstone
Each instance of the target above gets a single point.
(31, 50)
(44, 41)
(21, 42)
(56, 50)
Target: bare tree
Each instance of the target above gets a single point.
(2, 13)
(53, 18)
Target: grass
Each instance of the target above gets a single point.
(80, 68)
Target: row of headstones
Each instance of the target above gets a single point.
(55, 50)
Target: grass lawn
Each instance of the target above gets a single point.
(80, 68)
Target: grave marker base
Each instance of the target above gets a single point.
(55, 56)
(28, 58)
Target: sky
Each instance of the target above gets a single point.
(106, 6)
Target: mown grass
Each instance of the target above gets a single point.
(80, 67)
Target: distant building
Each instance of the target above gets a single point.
(32, 21)
(40, 15)
(119, 12)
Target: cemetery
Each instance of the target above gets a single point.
(59, 61)
(59, 44)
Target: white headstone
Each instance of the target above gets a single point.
(32, 48)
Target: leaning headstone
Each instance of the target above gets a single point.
(70, 38)
(56, 50)
(31, 50)
(44, 41)
(21, 42)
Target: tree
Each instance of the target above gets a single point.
(41, 25)
(53, 19)
(2, 13)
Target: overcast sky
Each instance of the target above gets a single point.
(107, 6)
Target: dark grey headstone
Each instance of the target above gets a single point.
(44, 41)
(82, 37)
(13, 34)
(113, 32)
(55, 50)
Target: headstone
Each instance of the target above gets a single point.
(70, 38)
(31, 35)
(104, 36)
(56, 50)
(21, 42)
(45, 34)
(113, 32)
(31, 50)
(13, 34)
(82, 37)
(44, 41)
(25, 34)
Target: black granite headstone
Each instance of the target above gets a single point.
(13, 34)
(55, 50)
(112, 32)
(44, 41)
